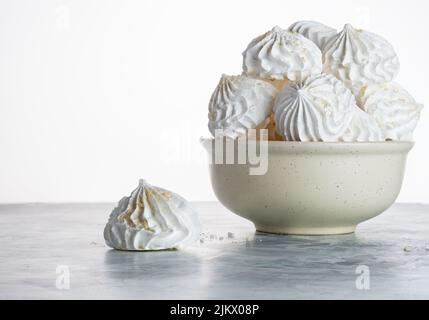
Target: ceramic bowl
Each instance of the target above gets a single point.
(312, 188)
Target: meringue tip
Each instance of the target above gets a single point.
(348, 27)
(301, 94)
(225, 78)
(277, 28)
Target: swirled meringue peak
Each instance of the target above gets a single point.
(394, 109)
(239, 103)
(280, 54)
(314, 31)
(317, 109)
(360, 58)
(151, 218)
(362, 128)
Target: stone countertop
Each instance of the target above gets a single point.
(387, 258)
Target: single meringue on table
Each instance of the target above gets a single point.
(317, 109)
(395, 110)
(240, 103)
(314, 31)
(359, 58)
(151, 218)
(280, 55)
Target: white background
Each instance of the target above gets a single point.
(95, 94)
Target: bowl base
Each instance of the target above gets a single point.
(309, 231)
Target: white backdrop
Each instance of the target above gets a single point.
(95, 94)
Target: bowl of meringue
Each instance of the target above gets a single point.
(331, 129)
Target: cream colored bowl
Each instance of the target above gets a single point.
(313, 188)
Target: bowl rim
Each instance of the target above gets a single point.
(330, 147)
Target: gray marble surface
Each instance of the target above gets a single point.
(231, 261)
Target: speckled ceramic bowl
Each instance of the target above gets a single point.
(313, 188)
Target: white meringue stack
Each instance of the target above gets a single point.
(363, 128)
(331, 86)
(360, 58)
(394, 109)
(240, 103)
(314, 31)
(318, 109)
(151, 218)
(280, 54)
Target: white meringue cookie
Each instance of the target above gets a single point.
(314, 31)
(280, 54)
(362, 128)
(240, 103)
(394, 109)
(151, 218)
(317, 109)
(360, 58)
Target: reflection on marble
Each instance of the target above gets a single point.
(231, 260)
